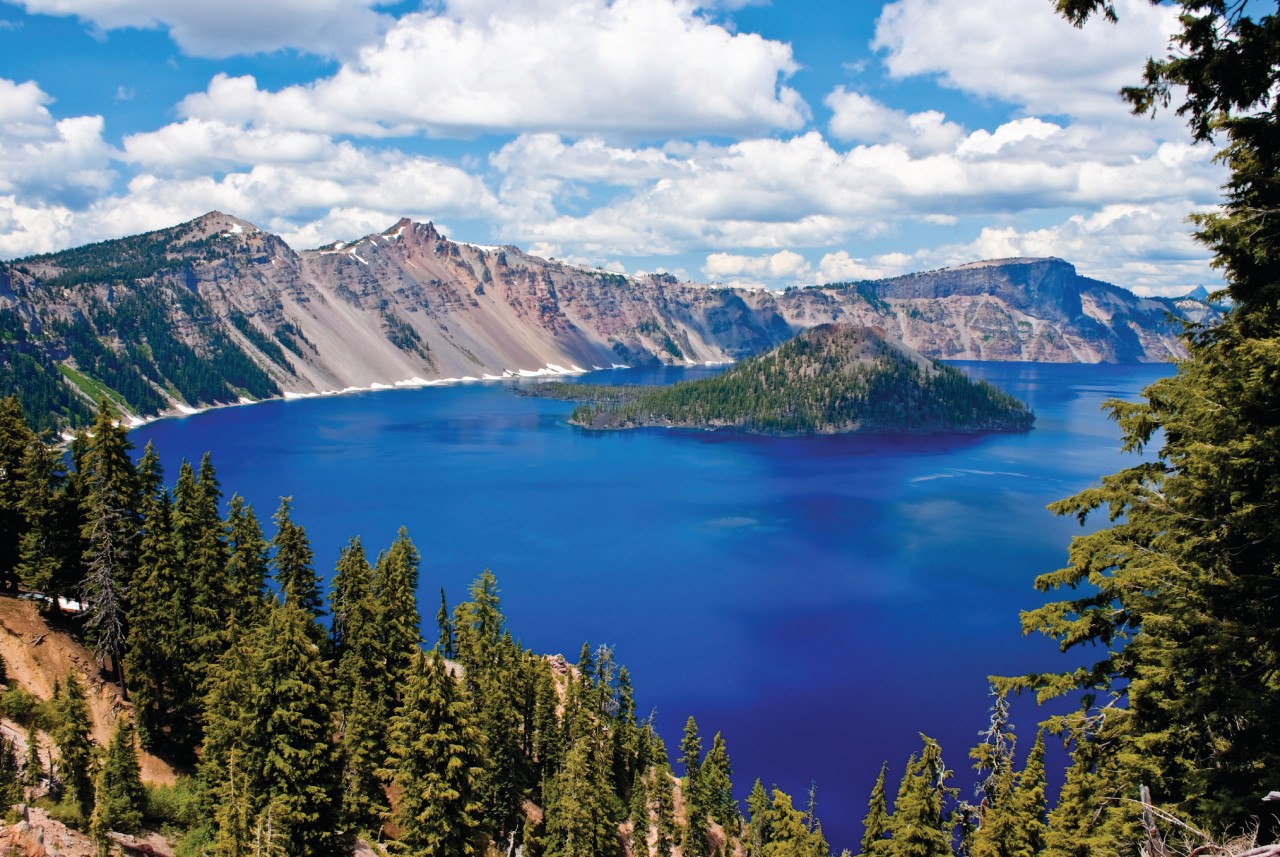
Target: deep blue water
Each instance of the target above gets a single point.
(818, 600)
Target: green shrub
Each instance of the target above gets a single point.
(21, 705)
(178, 804)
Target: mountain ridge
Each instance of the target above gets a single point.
(217, 310)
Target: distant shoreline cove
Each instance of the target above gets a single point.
(551, 370)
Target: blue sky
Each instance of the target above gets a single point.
(735, 141)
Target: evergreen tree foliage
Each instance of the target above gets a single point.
(16, 437)
(32, 766)
(1029, 805)
(758, 805)
(119, 796)
(247, 562)
(11, 780)
(716, 783)
(350, 597)
(920, 825)
(789, 835)
(435, 760)
(49, 551)
(230, 755)
(1095, 812)
(269, 754)
(444, 645)
(72, 735)
(875, 825)
(395, 588)
(694, 841)
(161, 652)
(292, 562)
(112, 521)
(1182, 587)
(291, 718)
(367, 691)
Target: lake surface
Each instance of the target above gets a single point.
(820, 601)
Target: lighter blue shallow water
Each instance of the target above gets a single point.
(818, 600)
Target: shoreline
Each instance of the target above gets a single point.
(550, 370)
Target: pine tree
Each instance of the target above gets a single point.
(119, 796)
(920, 825)
(291, 717)
(72, 737)
(292, 563)
(33, 767)
(247, 562)
(10, 775)
(111, 526)
(1029, 806)
(694, 841)
(161, 652)
(1094, 813)
(395, 588)
(579, 821)
(366, 691)
(789, 835)
(875, 825)
(715, 779)
(16, 437)
(48, 548)
(434, 749)
(231, 755)
(1181, 585)
(997, 823)
(445, 643)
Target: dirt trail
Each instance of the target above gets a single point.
(36, 656)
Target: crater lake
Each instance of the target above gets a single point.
(820, 601)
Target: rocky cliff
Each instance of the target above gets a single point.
(216, 310)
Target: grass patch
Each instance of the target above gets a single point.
(92, 387)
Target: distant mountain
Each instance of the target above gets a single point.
(218, 311)
(830, 379)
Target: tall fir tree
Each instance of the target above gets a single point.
(49, 553)
(1181, 594)
(789, 834)
(757, 821)
(248, 562)
(111, 508)
(444, 643)
(694, 840)
(920, 825)
(119, 797)
(292, 562)
(161, 653)
(716, 781)
(291, 716)
(875, 825)
(366, 692)
(435, 761)
(72, 735)
(16, 437)
(11, 784)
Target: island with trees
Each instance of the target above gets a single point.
(831, 379)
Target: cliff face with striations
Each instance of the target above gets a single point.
(216, 310)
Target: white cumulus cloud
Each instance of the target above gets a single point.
(625, 68)
(231, 27)
(784, 266)
(47, 160)
(1019, 52)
